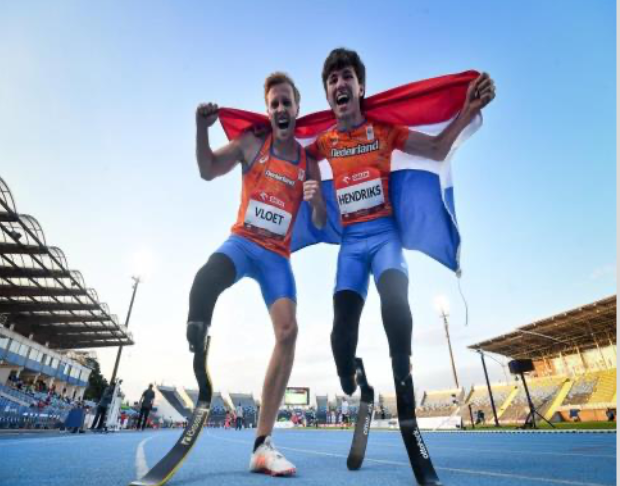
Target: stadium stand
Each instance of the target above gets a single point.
(440, 403)
(250, 410)
(322, 408)
(581, 389)
(219, 408)
(169, 400)
(46, 313)
(388, 402)
(542, 391)
(605, 388)
(479, 400)
(574, 357)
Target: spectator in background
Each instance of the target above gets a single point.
(239, 420)
(344, 410)
(573, 414)
(102, 407)
(611, 415)
(382, 411)
(146, 405)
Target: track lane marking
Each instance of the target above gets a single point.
(406, 464)
(141, 465)
(493, 451)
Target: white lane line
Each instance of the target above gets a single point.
(499, 450)
(450, 469)
(25, 441)
(502, 451)
(141, 466)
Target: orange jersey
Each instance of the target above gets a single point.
(360, 161)
(270, 198)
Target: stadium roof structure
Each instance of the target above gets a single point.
(579, 329)
(40, 296)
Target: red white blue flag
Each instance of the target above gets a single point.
(421, 190)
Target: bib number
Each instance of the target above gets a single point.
(267, 219)
(360, 193)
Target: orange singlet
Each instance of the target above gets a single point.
(270, 198)
(360, 161)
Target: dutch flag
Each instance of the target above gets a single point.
(421, 190)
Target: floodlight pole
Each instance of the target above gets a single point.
(445, 324)
(136, 281)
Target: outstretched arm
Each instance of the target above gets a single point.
(314, 195)
(480, 93)
(214, 164)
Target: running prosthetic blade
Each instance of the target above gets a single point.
(419, 456)
(170, 463)
(364, 417)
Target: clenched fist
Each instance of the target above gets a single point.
(480, 93)
(312, 192)
(206, 114)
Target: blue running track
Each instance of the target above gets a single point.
(221, 458)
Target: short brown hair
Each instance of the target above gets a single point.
(341, 58)
(280, 78)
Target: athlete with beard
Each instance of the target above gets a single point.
(276, 178)
(359, 153)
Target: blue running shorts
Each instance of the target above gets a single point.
(273, 272)
(372, 246)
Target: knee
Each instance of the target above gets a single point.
(286, 333)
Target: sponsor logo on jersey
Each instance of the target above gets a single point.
(357, 150)
(272, 199)
(263, 159)
(370, 133)
(358, 177)
(280, 177)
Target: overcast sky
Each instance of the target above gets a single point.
(97, 137)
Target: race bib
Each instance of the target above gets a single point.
(272, 220)
(360, 193)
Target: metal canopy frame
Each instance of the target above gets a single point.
(40, 296)
(586, 327)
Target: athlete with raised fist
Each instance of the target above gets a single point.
(359, 152)
(276, 178)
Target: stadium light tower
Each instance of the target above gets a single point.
(136, 282)
(142, 265)
(443, 308)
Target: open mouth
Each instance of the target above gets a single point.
(342, 99)
(283, 123)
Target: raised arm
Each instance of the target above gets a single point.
(214, 164)
(314, 195)
(480, 93)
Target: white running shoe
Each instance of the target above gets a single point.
(267, 460)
